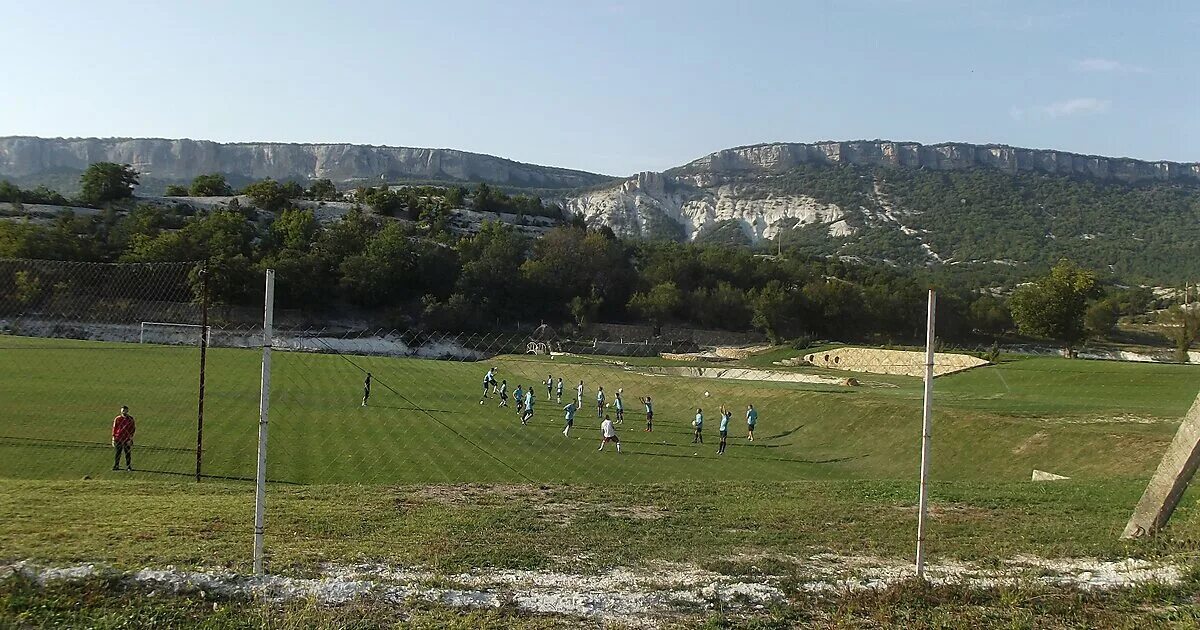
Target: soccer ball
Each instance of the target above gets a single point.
(481, 402)
(706, 394)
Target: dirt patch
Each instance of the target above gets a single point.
(480, 494)
(544, 500)
(1034, 442)
(739, 374)
(898, 362)
(950, 511)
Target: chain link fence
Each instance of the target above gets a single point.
(423, 408)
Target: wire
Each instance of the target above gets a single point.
(427, 413)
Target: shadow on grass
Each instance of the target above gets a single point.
(784, 434)
(51, 443)
(836, 460)
(411, 409)
(192, 475)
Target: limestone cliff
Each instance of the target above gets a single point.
(656, 205)
(181, 160)
(948, 156)
(737, 185)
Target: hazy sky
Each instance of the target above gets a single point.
(613, 86)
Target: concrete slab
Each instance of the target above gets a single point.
(1167, 485)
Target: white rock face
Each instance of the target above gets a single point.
(631, 207)
(940, 157)
(181, 160)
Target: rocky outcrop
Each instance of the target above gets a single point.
(651, 204)
(949, 156)
(181, 160)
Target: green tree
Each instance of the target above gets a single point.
(491, 269)
(211, 185)
(1182, 327)
(269, 195)
(1101, 317)
(1053, 306)
(774, 311)
(323, 190)
(294, 229)
(659, 304)
(104, 182)
(989, 315)
(175, 190)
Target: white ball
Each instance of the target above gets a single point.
(706, 394)
(481, 402)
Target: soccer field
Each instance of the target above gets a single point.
(1083, 419)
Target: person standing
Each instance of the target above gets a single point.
(123, 429)
(726, 414)
(366, 389)
(620, 407)
(549, 386)
(489, 380)
(559, 389)
(528, 415)
(504, 393)
(600, 402)
(519, 399)
(608, 434)
(698, 425)
(649, 413)
(579, 395)
(569, 410)
(751, 420)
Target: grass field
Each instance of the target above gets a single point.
(426, 476)
(995, 423)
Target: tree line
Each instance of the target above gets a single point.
(418, 273)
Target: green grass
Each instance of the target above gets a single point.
(833, 468)
(131, 523)
(993, 423)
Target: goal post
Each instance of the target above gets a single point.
(172, 333)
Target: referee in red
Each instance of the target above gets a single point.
(122, 438)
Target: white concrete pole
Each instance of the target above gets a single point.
(264, 405)
(926, 430)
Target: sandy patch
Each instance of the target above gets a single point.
(542, 499)
(898, 362)
(740, 374)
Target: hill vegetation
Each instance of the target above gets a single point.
(416, 272)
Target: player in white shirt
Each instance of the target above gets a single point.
(527, 415)
(579, 395)
(489, 382)
(609, 434)
(558, 390)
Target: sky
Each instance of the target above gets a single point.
(612, 86)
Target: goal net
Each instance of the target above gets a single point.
(173, 334)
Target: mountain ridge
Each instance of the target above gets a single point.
(26, 158)
(940, 156)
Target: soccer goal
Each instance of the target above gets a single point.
(169, 333)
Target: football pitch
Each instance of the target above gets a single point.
(425, 423)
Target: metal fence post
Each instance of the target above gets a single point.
(264, 404)
(204, 341)
(926, 430)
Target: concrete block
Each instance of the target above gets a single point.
(1167, 485)
(1041, 475)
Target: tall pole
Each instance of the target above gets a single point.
(203, 353)
(264, 404)
(926, 436)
